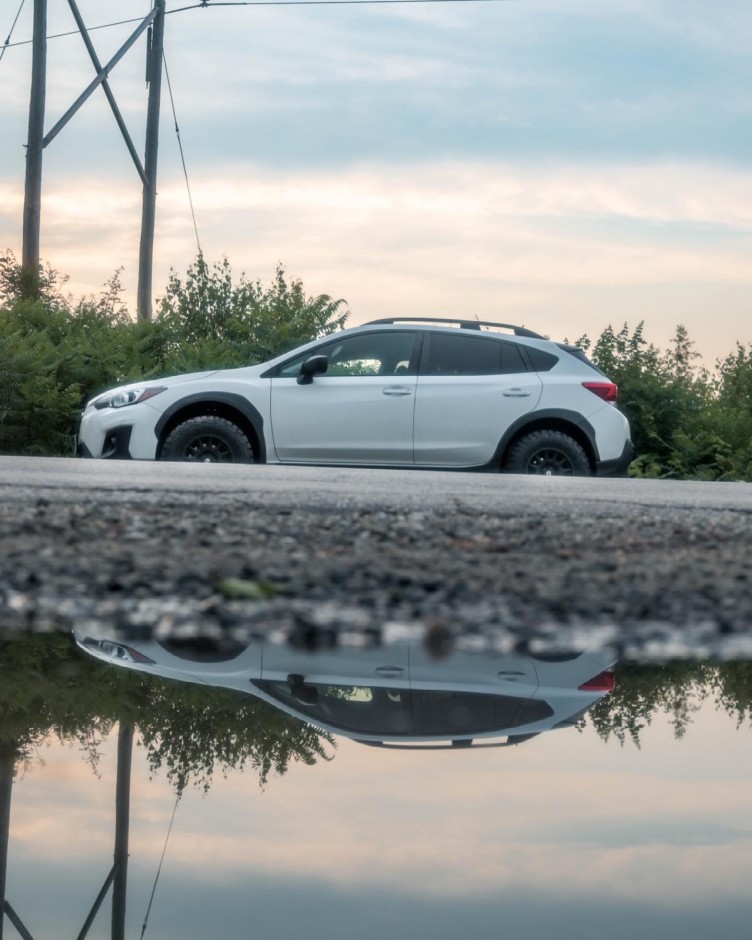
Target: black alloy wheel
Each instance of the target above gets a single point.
(207, 439)
(548, 453)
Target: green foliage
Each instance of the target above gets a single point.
(46, 690)
(56, 354)
(212, 322)
(677, 690)
(190, 731)
(48, 687)
(686, 423)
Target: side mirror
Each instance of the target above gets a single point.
(304, 693)
(316, 365)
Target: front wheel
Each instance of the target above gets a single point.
(548, 453)
(207, 439)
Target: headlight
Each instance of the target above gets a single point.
(131, 397)
(116, 651)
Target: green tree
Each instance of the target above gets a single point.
(55, 353)
(48, 687)
(669, 402)
(732, 412)
(676, 689)
(212, 321)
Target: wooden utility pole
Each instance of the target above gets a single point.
(149, 207)
(37, 140)
(35, 147)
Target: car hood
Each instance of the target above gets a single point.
(171, 381)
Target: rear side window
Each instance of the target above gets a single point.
(470, 355)
(579, 353)
(542, 361)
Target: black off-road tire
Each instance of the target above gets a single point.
(207, 439)
(548, 453)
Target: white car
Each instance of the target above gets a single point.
(395, 696)
(402, 392)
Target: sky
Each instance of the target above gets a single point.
(562, 164)
(564, 830)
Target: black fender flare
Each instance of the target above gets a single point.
(236, 402)
(534, 419)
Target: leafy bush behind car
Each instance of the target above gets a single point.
(687, 422)
(56, 353)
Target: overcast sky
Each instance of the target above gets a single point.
(559, 163)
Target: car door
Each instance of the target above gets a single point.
(470, 389)
(359, 412)
(472, 693)
(359, 692)
(343, 666)
(505, 673)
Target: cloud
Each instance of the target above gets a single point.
(532, 244)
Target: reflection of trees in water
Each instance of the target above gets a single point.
(49, 688)
(678, 690)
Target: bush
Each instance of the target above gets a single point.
(56, 354)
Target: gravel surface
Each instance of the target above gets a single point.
(648, 569)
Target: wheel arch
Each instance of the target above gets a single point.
(553, 419)
(225, 405)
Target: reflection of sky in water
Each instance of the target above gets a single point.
(563, 836)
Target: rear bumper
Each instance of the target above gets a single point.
(617, 467)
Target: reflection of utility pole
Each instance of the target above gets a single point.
(122, 814)
(7, 764)
(35, 146)
(118, 875)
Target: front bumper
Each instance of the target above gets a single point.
(116, 445)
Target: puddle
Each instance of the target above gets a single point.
(405, 784)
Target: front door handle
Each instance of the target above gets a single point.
(397, 391)
(516, 393)
(390, 672)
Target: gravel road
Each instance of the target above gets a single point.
(649, 568)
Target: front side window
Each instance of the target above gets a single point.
(383, 353)
(357, 709)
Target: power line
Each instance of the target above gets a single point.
(318, 3)
(75, 32)
(159, 869)
(7, 41)
(182, 155)
(251, 3)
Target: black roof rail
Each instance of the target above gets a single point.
(463, 324)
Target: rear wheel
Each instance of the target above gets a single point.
(207, 439)
(548, 453)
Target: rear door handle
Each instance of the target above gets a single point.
(516, 393)
(390, 672)
(397, 391)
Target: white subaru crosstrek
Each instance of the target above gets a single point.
(396, 695)
(402, 392)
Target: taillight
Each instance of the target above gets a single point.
(603, 682)
(608, 391)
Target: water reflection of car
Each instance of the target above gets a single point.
(387, 696)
